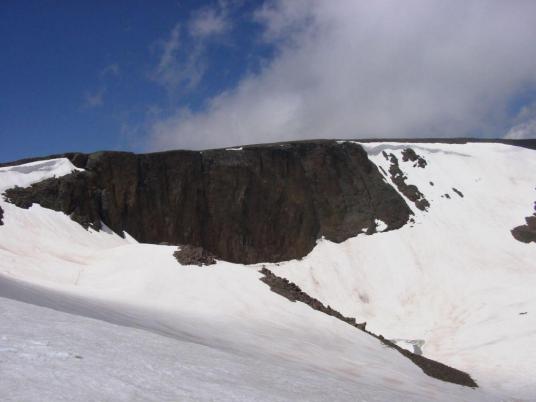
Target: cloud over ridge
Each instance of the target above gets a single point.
(347, 69)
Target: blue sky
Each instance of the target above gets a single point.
(79, 75)
(144, 76)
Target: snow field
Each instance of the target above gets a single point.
(455, 279)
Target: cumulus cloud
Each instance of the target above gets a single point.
(347, 69)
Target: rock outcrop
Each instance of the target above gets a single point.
(293, 292)
(457, 192)
(1, 216)
(262, 203)
(399, 179)
(192, 255)
(409, 154)
(526, 233)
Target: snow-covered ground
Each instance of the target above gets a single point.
(455, 282)
(456, 279)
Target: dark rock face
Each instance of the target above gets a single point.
(264, 203)
(1, 216)
(191, 255)
(432, 368)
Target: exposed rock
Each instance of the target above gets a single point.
(1, 216)
(409, 190)
(191, 255)
(292, 292)
(383, 171)
(75, 194)
(457, 192)
(264, 203)
(417, 344)
(434, 368)
(526, 233)
(411, 155)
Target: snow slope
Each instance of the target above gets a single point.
(455, 279)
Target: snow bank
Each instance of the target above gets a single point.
(29, 173)
(455, 280)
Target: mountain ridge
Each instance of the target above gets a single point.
(529, 143)
(269, 203)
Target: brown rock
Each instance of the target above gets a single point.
(409, 190)
(526, 233)
(264, 203)
(409, 154)
(191, 255)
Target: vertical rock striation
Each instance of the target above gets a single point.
(262, 203)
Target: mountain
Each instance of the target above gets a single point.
(268, 203)
(343, 270)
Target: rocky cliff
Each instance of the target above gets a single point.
(260, 203)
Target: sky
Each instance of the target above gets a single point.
(148, 76)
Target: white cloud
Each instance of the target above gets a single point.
(110, 69)
(94, 99)
(523, 131)
(182, 60)
(525, 124)
(208, 22)
(174, 68)
(350, 68)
